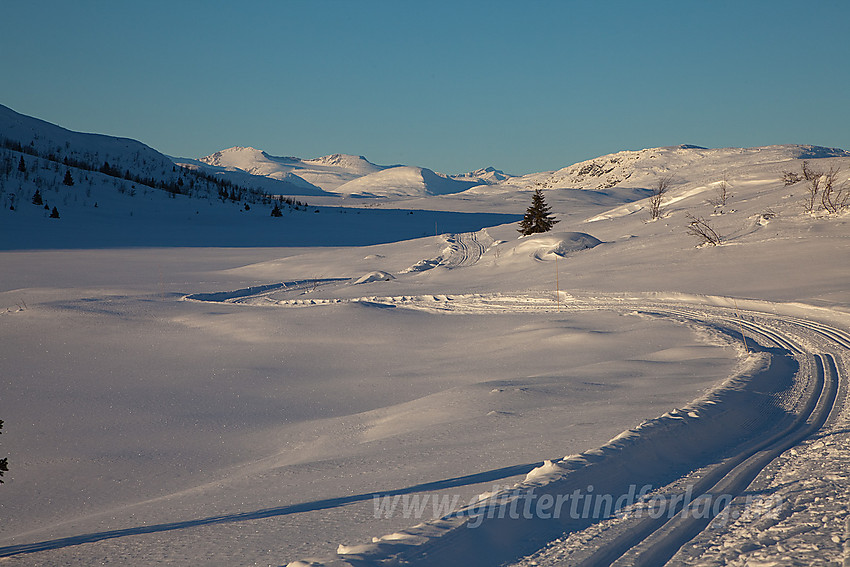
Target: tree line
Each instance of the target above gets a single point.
(180, 182)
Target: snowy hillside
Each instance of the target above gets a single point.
(640, 168)
(71, 190)
(43, 138)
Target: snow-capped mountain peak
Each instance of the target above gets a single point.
(327, 172)
(346, 161)
(485, 176)
(405, 181)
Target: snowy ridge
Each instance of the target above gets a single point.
(47, 138)
(642, 167)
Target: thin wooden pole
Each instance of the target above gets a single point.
(740, 326)
(557, 285)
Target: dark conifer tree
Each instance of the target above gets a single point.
(69, 181)
(54, 214)
(36, 198)
(537, 217)
(22, 165)
(276, 212)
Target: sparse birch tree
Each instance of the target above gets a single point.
(722, 192)
(833, 199)
(813, 189)
(656, 200)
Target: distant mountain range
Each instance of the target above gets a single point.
(344, 174)
(348, 175)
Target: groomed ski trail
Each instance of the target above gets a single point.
(466, 248)
(811, 402)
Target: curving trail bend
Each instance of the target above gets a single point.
(698, 461)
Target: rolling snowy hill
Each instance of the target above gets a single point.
(348, 175)
(405, 181)
(327, 173)
(641, 168)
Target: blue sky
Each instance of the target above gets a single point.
(452, 86)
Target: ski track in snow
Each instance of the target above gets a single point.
(817, 403)
(467, 248)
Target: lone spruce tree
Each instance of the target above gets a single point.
(537, 217)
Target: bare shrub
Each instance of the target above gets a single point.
(806, 173)
(834, 199)
(791, 177)
(722, 194)
(657, 197)
(699, 227)
(809, 174)
(813, 189)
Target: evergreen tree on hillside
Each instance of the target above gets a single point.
(69, 181)
(22, 165)
(276, 212)
(54, 214)
(538, 217)
(36, 198)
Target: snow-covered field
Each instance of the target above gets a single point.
(266, 405)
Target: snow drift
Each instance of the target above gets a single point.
(548, 245)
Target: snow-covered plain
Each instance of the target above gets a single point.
(253, 405)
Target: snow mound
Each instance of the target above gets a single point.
(376, 276)
(547, 246)
(544, 471)
(423, 265)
